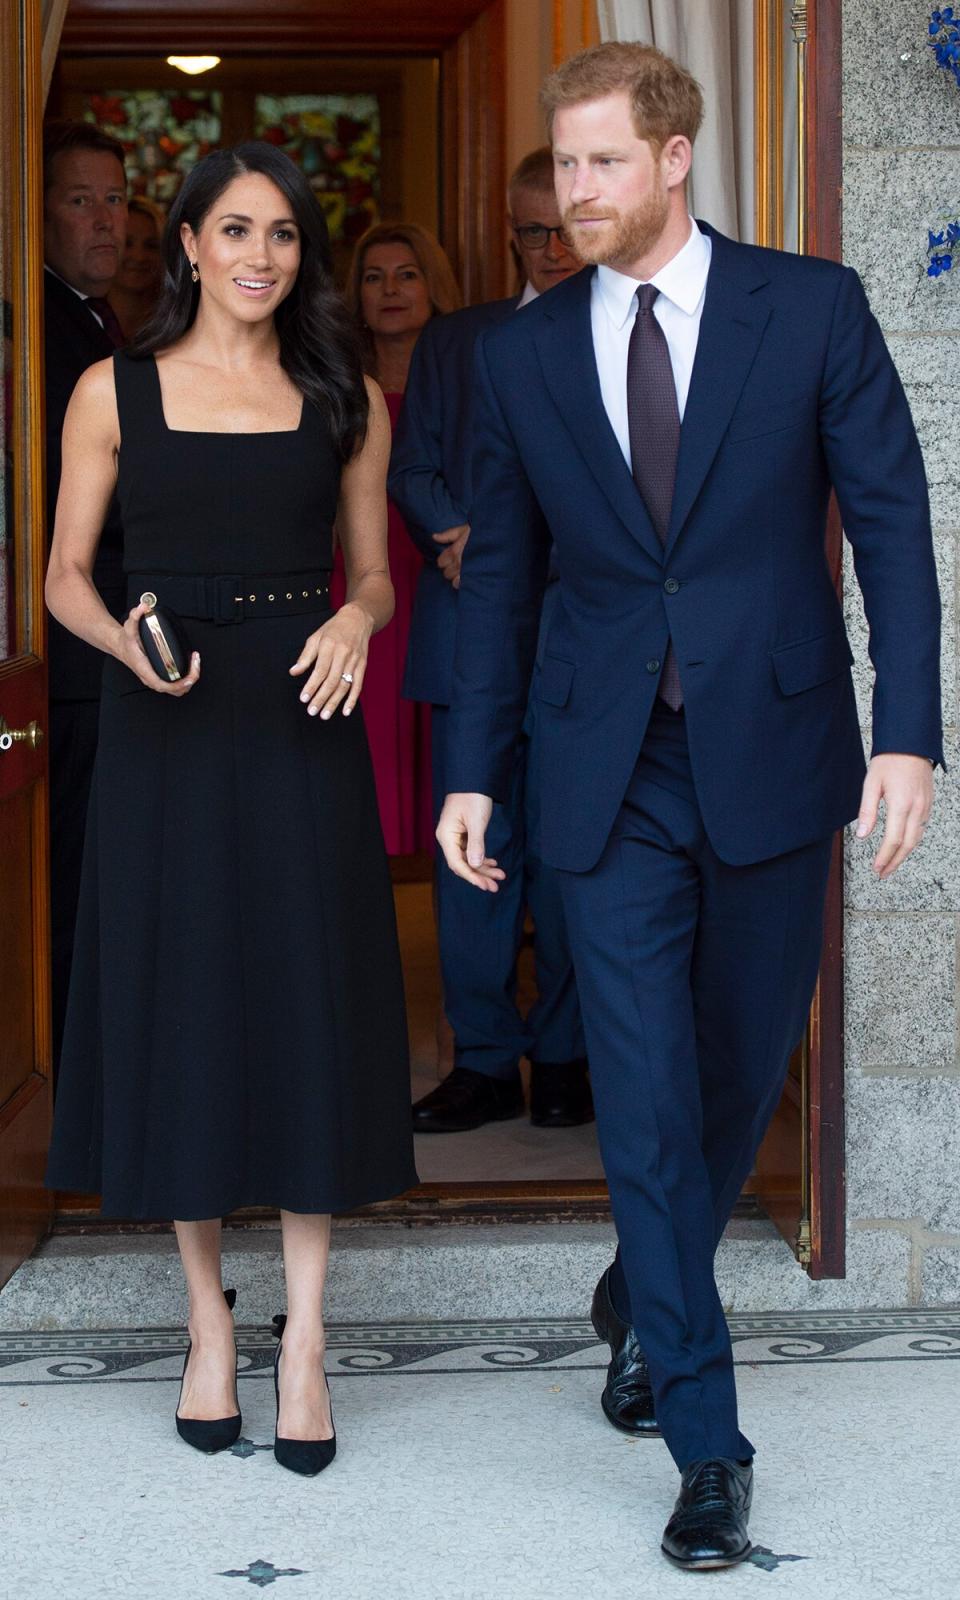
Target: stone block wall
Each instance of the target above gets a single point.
(901, 139)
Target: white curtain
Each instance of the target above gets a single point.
(714, 39)
(52, 16)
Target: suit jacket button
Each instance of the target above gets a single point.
(671, 586)
(654, 665)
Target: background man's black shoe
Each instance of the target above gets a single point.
(709, 1523)
(627, 1398)
(467, 1099)
(560, 1094)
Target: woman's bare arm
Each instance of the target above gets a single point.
(337, 652)
(91, 442)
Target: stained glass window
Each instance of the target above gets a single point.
(163, 131)
(335, 138)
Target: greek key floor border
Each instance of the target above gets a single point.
(513, 1345)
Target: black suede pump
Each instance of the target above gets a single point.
(222, 1432)
(305, 1456)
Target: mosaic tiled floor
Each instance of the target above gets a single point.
(493, 1474)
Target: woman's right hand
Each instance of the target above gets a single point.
(130, 651)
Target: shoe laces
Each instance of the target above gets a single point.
(710, 1490)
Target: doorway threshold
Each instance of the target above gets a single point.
(428, 1205)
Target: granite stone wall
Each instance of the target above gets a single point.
(901, 145)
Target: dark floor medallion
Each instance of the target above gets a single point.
(260, 1573)
(761, 1557)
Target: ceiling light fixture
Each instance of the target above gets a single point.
(193, 64)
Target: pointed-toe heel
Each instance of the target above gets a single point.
(219, 1433)
(305, 1456)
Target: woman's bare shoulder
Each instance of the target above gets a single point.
(93, 404)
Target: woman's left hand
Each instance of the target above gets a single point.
(337, 655)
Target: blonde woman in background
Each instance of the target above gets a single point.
(399, 278)
(136, 288)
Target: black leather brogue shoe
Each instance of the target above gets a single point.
(560, 1094)
(709, 1523)
(627, 1398)
(467, 1099)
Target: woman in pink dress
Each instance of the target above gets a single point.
(399, 278)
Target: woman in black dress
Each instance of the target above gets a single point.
(236, 1031)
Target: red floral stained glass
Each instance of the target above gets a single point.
(163, 131)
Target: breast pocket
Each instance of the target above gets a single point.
(753, 421)
(554, 680)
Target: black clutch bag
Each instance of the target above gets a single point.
(164, 641)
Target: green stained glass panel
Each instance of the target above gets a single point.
(335, 138)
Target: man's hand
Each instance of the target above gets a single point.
(460, 834)
(454, 539)
(905, 784)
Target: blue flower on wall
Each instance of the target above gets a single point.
(944, 41)
(942, 247)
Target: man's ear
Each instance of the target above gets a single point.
(676, 157)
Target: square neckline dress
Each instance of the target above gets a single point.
(236, 1031)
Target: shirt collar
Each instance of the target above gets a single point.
(681, 281)
(529, 293)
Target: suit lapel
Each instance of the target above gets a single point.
(565, 346)
(734, 317)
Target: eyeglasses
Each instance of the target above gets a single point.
(535, 235)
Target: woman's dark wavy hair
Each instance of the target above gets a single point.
(319, 346)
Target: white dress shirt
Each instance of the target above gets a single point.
(678, 309)
(529, 293)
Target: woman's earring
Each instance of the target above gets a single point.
(194, 273)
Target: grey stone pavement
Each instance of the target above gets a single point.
(474, 1463)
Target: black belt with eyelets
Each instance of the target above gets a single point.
(233, 597)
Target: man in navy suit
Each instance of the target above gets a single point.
(480, 939)
(697, 738)
(85, 218)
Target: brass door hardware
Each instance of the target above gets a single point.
(32, 735)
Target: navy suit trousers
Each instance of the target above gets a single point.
(480, 937)
(695, 979)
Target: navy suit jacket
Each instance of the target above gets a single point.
(430, 481)
(793, 390)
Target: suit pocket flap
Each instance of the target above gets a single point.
(554, 681)
(754, 421)
(811, 661)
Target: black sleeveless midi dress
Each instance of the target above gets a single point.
(236, 1032)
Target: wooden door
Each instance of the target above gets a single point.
(25, 1087)
(801, 1172)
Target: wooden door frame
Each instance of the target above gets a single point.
(820, 34)
(468, 37)
(26, 1206)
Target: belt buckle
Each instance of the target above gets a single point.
(228, 599)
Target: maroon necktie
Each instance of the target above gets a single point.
(109, 318)
(654, 439)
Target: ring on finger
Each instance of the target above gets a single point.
(346, 677)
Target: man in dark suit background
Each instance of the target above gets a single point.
(697, 738)
(85, 215)
(480, 940)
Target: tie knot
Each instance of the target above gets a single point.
(646, 294)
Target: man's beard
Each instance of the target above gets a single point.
(627, 237)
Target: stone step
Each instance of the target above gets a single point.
(386, 1273)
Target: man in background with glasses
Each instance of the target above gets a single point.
(480, 935)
